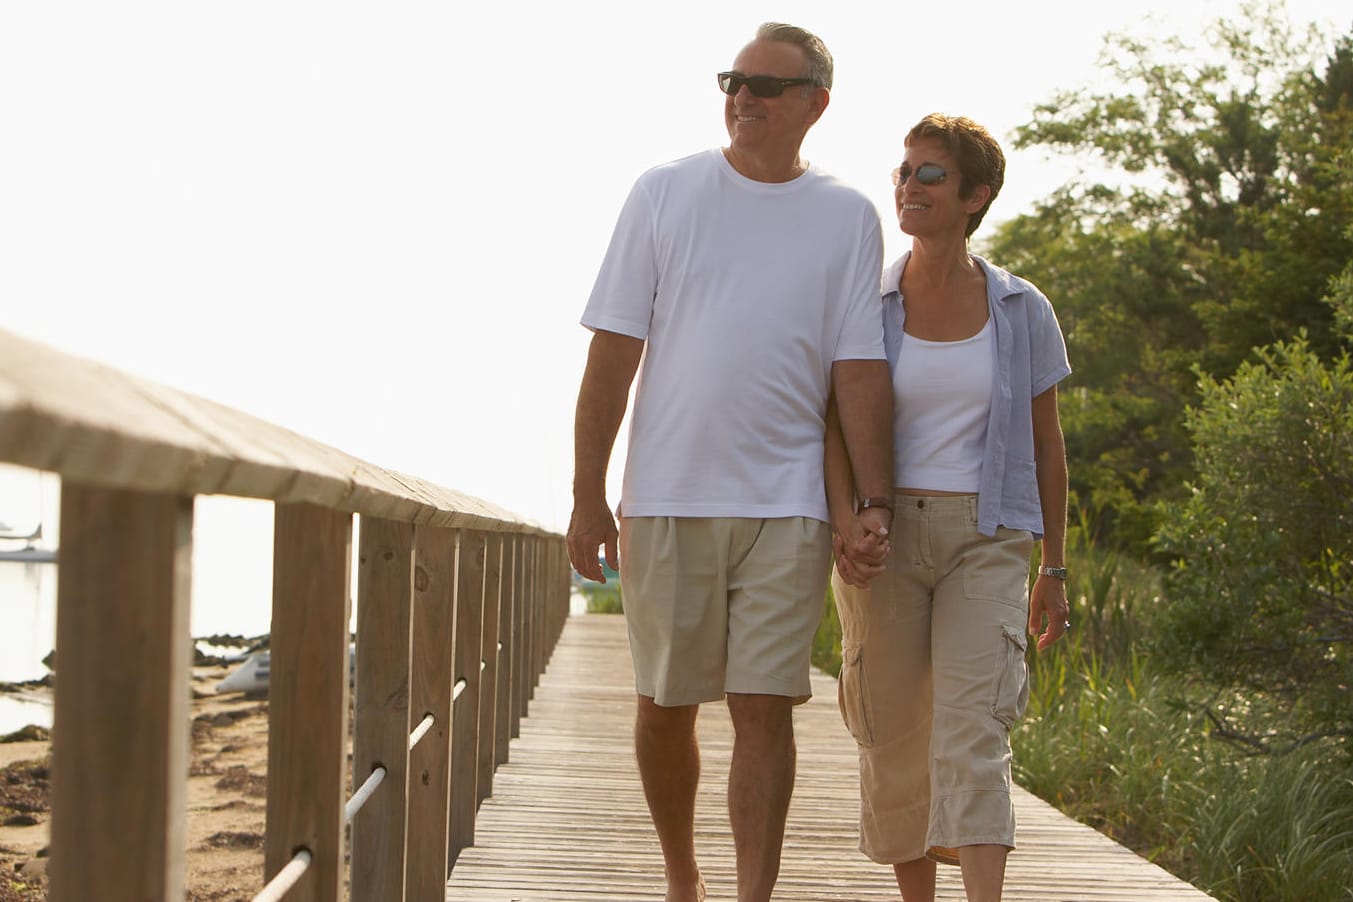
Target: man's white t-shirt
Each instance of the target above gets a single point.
(745, 293)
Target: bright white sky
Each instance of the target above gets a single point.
(377, 223)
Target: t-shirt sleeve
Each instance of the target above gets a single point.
(861, 336)
(1047, 346)
(622, 296)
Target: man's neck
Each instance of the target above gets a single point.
(761, 169)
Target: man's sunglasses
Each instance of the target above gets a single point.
(760, 85)
(926, 173)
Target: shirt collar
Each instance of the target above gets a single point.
(1000, 284)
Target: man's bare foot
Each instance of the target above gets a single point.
(687, 893)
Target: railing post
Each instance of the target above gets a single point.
(488, 704)
(432, 683)
(381, 727)
(503, 728)
(547, 613)
(465, 711)
(558, 580)
(120, 753)
(521, 613)
(308, 697)
(540, 612)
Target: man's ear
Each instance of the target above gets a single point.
(821, 98)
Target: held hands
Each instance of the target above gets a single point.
(590, 527)
(862, 547)
(1048, 599)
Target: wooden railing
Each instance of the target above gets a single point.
(459, 604)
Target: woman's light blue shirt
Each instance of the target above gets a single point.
(1030, 358)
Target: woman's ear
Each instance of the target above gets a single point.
(978, 199)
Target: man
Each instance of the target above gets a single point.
(748, 284)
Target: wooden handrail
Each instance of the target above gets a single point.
(450, 589)
(93, 423)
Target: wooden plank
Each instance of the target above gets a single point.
(308, 697)
(488, 687)
(94, 423)
(385, 579)
(430, 693)
(120, 755)
(568, 821)
(465, 712)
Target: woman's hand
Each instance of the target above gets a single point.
(1048, 599)
(861, 547)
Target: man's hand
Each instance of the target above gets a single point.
(591, 527)
(862, 550)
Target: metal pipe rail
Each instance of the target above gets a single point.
(459, 604)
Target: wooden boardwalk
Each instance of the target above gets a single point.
(567, 819)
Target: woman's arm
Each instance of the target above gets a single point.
(1049, 593)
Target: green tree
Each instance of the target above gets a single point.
(1227, 220)
(1261, 591)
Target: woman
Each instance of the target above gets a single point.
(933, 673)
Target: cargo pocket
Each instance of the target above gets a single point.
(1010, 689)
(852, 694)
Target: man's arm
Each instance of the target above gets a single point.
(612, 360)
(859, 554)
(864, 401)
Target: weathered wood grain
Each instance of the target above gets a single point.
(120, 767)
(385, 591)
(308, 697)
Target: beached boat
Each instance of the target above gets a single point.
(251, 676)
(30, 552)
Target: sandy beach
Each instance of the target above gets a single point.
(226, 800)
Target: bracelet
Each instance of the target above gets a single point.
(1055, 572)
(877, 501)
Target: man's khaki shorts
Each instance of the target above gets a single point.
(723, 604)
(932, 679)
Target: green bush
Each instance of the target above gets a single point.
(1262, 586)
(603, 598)
(827, 640)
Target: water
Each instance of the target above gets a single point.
(231, 582)
(231, 585)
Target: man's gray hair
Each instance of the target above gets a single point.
(819, 57)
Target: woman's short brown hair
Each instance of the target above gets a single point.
(980, 160)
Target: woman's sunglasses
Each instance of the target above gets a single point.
(760, 85)
(926, 173)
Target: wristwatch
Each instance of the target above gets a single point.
(1055, 572)
(877, 501)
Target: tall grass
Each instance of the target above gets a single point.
(1116, 742)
